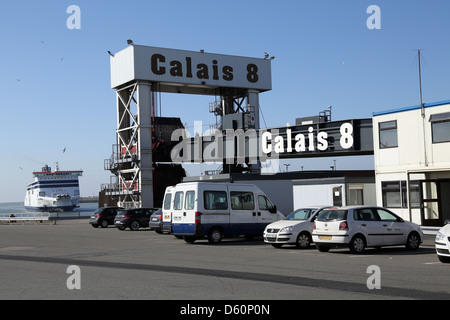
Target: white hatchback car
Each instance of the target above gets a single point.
(442, 244)
(359, 227)
(295, 229)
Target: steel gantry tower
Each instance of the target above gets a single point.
(131, 160)
(138, 73)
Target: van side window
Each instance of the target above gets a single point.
(167, 201)
(189, 201)
(242, 200)
(178, 202)
(215, 200)
(264, 203)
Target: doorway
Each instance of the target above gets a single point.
(430, 205)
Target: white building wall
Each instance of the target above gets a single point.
(416, 157)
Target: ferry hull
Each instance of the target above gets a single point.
(50, 209)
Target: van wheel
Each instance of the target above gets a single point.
(215, 236)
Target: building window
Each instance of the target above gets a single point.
(440, 127)
(388, 134)
(394, 194)
(355, 195)
(414, 194)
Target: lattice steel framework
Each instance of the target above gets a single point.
(133, 158)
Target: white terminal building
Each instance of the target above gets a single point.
(412, 162)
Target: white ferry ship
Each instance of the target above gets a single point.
(53, 191)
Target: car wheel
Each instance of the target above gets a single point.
(413, 241)
(121, 228)
(135, 225)
(358, 244)
(215, 236)
(303, 240)
(322, 248)
(104, 224)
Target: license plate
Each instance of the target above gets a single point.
(325, 237)
(154, 219)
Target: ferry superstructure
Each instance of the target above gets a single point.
(53, 191)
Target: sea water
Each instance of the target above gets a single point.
(18, 209)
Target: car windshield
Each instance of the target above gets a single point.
(98, 211)
(301, 214)
(332, 215)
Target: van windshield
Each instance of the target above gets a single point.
(332, 215)
(301, 214)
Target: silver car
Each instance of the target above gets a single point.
(295, 229)
(359, 227)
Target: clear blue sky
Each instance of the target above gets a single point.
(55, 82)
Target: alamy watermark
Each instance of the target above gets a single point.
(74, 280)
(374, 281)
(74, 20)
(257, 145)
(374, 21)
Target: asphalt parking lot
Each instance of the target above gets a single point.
(113, 264)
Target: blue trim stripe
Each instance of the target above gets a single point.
(425, 105)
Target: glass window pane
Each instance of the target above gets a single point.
(242, 200)
(388, 138)
(414, 194)
(386, 216)
(167, 200)
(391, 195)
(388, 134)
(190, 199)
(264, 203)
(178, 202)
(441, 131)
(215, 200)
(431, 210)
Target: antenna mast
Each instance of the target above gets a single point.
(422, 110)
(420, 85)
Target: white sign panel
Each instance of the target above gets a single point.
(189, 68)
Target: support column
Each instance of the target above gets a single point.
(253, 108)
(145, 148)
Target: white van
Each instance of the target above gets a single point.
(215, 210)
(167, 210)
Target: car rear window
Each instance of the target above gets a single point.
(332, 215)
(125, 213)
